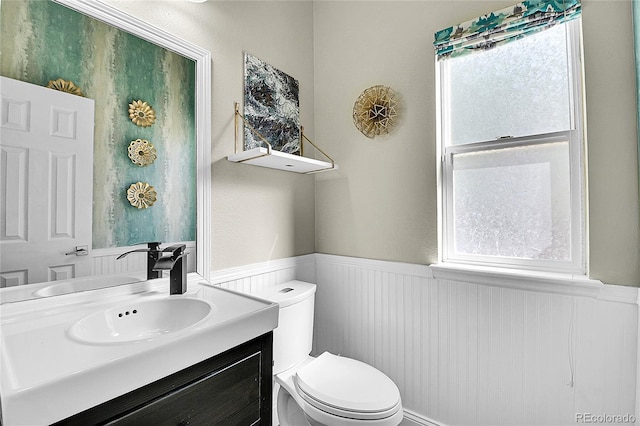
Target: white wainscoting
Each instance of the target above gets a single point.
(105, 263)
(255, 277)
(466, 353)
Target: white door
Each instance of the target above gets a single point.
(46, 183)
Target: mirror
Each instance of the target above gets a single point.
(202, 83)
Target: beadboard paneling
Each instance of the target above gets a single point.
(105, 263)
(255, 277)
(469, 354)
(465, 353)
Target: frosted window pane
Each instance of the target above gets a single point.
(513, 202)
(517, 89)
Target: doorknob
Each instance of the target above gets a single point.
(79, 251)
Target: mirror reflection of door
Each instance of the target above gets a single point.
(46, 189)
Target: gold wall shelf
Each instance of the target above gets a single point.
(270, 158)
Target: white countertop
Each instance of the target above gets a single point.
(46, 376)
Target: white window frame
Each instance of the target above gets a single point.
(575, 137)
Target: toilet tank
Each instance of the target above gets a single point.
(293, 338)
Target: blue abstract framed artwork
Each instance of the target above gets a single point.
(271, 107)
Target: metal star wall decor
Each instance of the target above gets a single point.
(375, 111)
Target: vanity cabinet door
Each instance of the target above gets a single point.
(232, 388)
(230, 397)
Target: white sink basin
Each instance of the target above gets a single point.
(55, 350)
(138, 321)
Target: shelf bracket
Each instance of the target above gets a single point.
(246, 123)
(238, 116)
(304, 137)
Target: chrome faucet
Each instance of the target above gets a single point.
(176, 262)
(153, 254)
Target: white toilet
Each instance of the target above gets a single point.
(328, 390)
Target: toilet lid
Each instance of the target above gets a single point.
(348, 384)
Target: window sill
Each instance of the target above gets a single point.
(547, 282)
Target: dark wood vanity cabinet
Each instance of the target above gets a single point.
(233, 388)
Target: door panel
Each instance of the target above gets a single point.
(46, 183)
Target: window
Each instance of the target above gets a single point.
(510, 130)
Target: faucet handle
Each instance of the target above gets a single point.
(132, 251)
(154, 245)
(176, 249)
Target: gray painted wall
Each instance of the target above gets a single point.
(381, 203)
(258, 214)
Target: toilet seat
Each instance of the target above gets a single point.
(347, 388)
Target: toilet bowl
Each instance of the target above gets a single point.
(330, 389)
(334, 390)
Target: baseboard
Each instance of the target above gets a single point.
(415, 419)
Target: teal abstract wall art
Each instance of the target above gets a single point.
(43, 41)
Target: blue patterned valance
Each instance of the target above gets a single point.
(503, 26)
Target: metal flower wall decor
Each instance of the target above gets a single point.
(65, 86)
(141, 195)
(375, 111)
(141, 152)
(141, 113)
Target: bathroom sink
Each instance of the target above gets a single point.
(141, 320)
